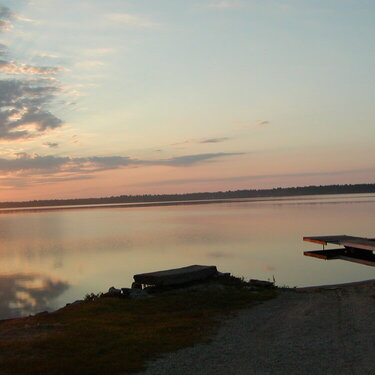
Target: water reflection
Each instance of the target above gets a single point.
(95, 249)
(24, 294)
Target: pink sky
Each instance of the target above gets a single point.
(110, 98)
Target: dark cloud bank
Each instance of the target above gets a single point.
(26, 96)
(29, 164)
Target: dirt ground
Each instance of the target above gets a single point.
(322, 330)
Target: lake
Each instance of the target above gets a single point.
(52, 257)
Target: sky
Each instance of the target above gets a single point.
(102, 98)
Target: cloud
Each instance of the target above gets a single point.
(32, 164)
(48, 55)
(61, 178)
(25, 102)
(20, 182)
(24, 19)
(182, 143)
(262, 122)
(5, 19)
(9, 183)
(205, 140)
(131, 20)
(24, 109)
(51, 144)
(188, 160)
(11, 67)
(3, 49)
(215, 140)
(25, 162)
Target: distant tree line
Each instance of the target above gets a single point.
(252, 193)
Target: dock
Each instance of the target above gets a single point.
(355, 249)
(176, 276)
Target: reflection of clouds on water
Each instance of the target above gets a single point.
(269, 268)
(56, 252)
(23, 294)
(56, 247)
(220, 254)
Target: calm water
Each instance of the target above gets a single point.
(49, 258)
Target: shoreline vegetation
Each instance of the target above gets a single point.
(105, 334)
(112, 335)
(191, 198)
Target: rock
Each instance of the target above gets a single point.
(77, 302)
(262, 283)
(126, 292)
(112, 291)
(41, 313)
(136, 285)
(252, 288)
(138, 294)
(222, 274)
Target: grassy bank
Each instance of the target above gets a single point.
(117, 336)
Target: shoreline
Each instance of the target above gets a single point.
(285, 198)
(314, 288)
(231, 328)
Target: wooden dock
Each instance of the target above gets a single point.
(176, 276)
(356, 249)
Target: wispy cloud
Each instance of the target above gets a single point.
(215, 140)
(132, 20)
(51, 144)
(48, 55)
(11, 67)
(204, 140)
(25, 19)
(188, 160)
(262, 122)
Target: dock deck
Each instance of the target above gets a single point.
(176, 276)
(356, 249)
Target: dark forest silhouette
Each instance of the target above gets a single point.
(251, 193)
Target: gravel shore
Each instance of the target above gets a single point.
(322, 330)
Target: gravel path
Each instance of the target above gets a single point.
(316, 331)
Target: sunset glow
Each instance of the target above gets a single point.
(115, 97)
